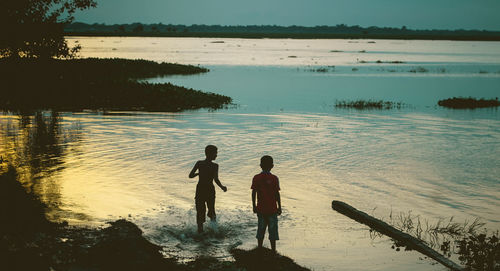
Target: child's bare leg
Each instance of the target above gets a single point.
(260, 242)
(273, 245)
(211, 208)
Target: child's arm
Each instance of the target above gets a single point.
(216, 179)
(278, 199)
(254, 194)
(192, 174)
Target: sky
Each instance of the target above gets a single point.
(414, 14)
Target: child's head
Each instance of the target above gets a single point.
(266, 163)
(211, 152)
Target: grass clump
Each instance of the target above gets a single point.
(98, 84)
(469, 241)
(419, 70)
(322, 69)
(391, 62)
(468, 103)
(369, 104)
(481, 252)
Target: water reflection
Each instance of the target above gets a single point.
(135, 165)
(36, 145)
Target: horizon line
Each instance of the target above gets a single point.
(293, 25)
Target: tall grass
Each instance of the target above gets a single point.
(469, 241)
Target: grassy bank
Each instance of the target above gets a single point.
(98, 84)
(28, 241)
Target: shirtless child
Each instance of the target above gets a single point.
(208, 172)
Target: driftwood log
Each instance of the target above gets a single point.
(386, 229)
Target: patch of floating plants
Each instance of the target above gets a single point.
(382, 62)
(419, 70)
(369, 104)
(468, 103)
(322, 69)
(390, 62)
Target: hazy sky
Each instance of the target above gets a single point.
(416, 14)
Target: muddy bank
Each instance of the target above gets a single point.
(28, 241)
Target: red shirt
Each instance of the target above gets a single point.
(267, 185)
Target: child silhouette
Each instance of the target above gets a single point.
(208, 172)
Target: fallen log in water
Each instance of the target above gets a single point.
(386, 229)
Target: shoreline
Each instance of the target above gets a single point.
(29, 241)
(99, 84)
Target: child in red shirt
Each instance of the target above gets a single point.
(265, 186)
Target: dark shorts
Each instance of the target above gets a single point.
(269, 221)
(205, 199)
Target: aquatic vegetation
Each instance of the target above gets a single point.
(399, 237)
(474, 246)
(369, 104)
(98, 84)
(419, 69)
(392, 62)
(481, 252)
(468, 103)
(322, 69)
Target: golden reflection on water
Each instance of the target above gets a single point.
(36, 144)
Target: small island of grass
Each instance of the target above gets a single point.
(369, 104)
(98, 84)
(468, 103)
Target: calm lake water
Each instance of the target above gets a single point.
(433, 162)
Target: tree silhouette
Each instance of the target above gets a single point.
(138, 28)
(35, 28)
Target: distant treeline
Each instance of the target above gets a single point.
(274, 31)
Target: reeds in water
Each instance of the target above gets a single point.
(469, 241)
(369, 104)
